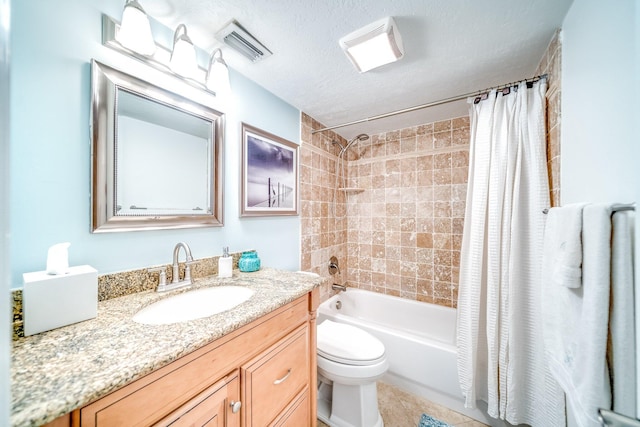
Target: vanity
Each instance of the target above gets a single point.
(254, 365)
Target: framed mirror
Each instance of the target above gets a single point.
(155, 156)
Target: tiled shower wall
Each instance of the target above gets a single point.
(399, 230)
(403, 229)
(323, 233)
(551, 65)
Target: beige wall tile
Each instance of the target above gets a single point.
(442, 126)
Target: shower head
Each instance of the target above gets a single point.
(359, 138)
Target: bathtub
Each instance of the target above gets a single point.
(419, 340)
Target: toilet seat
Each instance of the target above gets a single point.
(351, 374)
(349, 345)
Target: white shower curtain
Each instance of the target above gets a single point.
(499, 337)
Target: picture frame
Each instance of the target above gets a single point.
(269, 174)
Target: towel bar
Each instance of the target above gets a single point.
(613, 419)
(618, 207)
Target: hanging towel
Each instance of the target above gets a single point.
(622, 321)
(576, 319)
(565, 224)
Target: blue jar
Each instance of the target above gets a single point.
(249, 262)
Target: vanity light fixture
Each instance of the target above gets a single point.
(376, 44)
(217, 78)
(183, 55)
(179, 60)
(135, 30)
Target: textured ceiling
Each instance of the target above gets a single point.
(452, 47)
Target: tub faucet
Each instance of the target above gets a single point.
(337, 287)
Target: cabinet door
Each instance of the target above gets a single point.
(211, 408)
(272, 380)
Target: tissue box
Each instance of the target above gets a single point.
(50, 301)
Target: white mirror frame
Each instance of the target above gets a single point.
(105, 83)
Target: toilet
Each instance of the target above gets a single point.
(350, 360)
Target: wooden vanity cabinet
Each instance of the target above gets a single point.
(268, 366)
(275, 377)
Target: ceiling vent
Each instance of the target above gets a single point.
(236, 37)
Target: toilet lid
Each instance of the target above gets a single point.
(348, 344)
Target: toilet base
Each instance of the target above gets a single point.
(342, 405)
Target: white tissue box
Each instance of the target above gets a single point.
(52, 301)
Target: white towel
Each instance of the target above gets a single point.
(621, 321)
(565, 224)
(576, 319)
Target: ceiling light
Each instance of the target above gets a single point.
(183, 56)
(240, 40)
(218, 74)
(135, 30)
(376, 44)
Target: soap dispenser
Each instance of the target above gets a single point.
(225, 263)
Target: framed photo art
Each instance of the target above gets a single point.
(269, 174)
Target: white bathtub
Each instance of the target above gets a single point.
(419, 339)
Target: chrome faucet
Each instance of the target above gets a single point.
(176, 283)
(176, 269)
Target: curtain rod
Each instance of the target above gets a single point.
(430, 104)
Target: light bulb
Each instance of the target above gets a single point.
(135, 31)
(218, 75)
(183, 56)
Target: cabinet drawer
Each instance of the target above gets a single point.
(297, 414)
(272, 380)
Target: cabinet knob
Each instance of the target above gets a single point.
(235, 406)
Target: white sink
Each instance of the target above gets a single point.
(193, 305)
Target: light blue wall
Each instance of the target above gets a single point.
(598, 103)
(600, 127)
(52, 44)
(6, 313)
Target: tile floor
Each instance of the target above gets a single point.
(402, 409)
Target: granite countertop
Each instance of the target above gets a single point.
(55, 372)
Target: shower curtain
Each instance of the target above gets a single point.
(499, 336)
